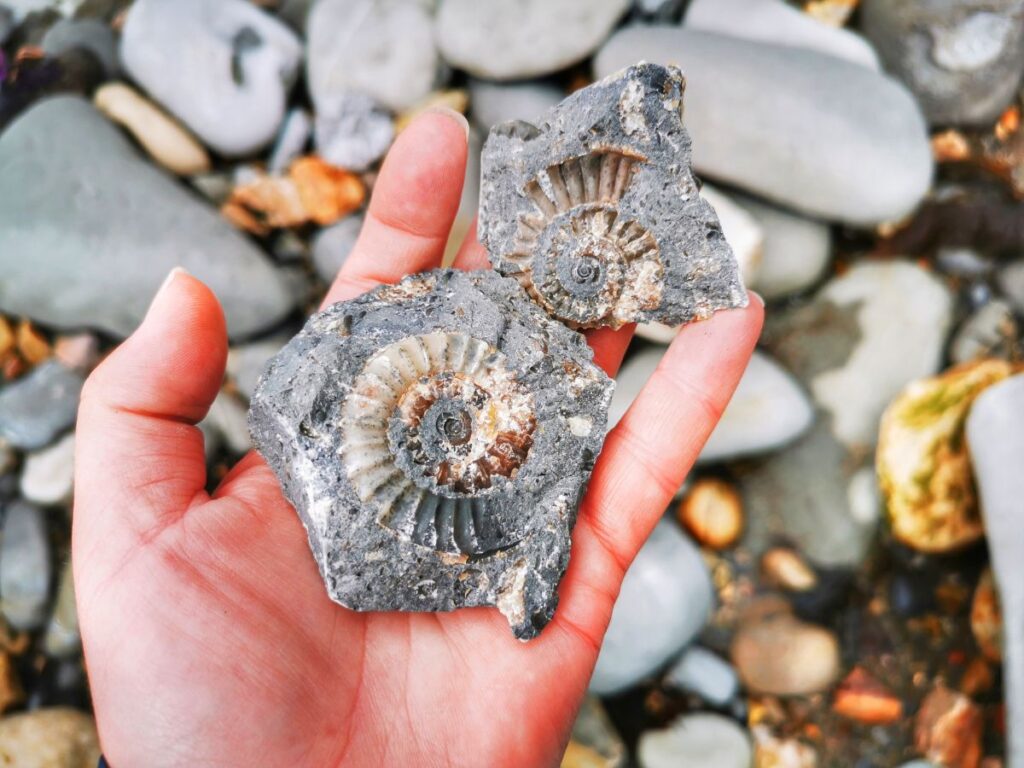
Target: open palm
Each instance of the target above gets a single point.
(208, 634)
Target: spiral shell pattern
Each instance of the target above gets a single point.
(576, 255)
(433, 424)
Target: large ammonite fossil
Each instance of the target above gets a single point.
(435, 438)
(596, 213)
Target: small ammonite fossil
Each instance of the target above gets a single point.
(436, 437)
(596, 213)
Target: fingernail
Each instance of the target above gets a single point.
(458, 117)
(170, 278)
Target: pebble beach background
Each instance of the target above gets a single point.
(825, 592)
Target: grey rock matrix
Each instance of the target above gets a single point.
(436, 438)
(596, 212)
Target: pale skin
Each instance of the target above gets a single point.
(208, 635)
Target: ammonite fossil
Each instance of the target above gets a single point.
(436, 437)
(596, 213)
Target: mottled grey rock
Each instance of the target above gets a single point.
(705, 674)
(63, 639)
(352, 131)
(76, 200)
(493, 103)
(509, 41)
(436, 438)
(810, 131)
(796, 249)
(383, 49)
(995, 434)
(962, 59)
(597, 213)
(223, 67)
(246, 362)
(48, 475)
(699, 740)
(665, 600)
(990, 331)
(331, 246)
(90, 34)
(777, 22)
(291, 141)
(38, 407)
(24, 565)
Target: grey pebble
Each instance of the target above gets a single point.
(25, 563)
(39, 406)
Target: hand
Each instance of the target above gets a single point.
(209, 637)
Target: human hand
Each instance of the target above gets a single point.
(208, 634)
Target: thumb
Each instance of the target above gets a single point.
(139, 460)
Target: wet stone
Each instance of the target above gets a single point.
(436, 438)
(595, 210)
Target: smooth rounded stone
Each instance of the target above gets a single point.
(777, 22)
(767, 410)
(77, 201)
(995, 434)
(25, 563)
(779, 655)
(228, 418)
(331, 246)
(48, 475)
(494, 103)
(246, 362)
(809, 131)
(383, 49)
(223, 67)
(49, 738)
(39, 406)
(63, 638)
(664, 603)
(741, 229)
(697, 741)
(796, 251)
(91, 35)
(1011, 283)
(963, 60)
(991, 330)
(352, 131)
(865, 335)
(291, 141)
(509, 41)
(706, 674)
(160, 135)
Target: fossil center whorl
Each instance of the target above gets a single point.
(433, 421)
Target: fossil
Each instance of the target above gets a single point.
(436, 437)
(596, 213)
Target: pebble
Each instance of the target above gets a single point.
(923, 465)
(777, 22)
(49, 738)
(509, 41)
(353, 45)
(741, 230)
(948, 728)
(331, 246)
(866, 334)
(963, 61)
(990, 331)
(222, 67)
(39, 406)
(594, 742)
(228, 418)
(696, 741)
(68, 177)
(1011, 283)
(91, 35)
(785, 568)
(861, 697)
(48, 475)
(769, 409)
(751, 107)
(995, 434)
(705, 674)
(771, 751)
(78, 352)
(63, 638)
(494, 103)
(352, 131)
(246, 362)
(291, 141)
(777, 654)
(796, 250)
(664, 602)
(164, 139)
(25, 563)
(712, 512)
